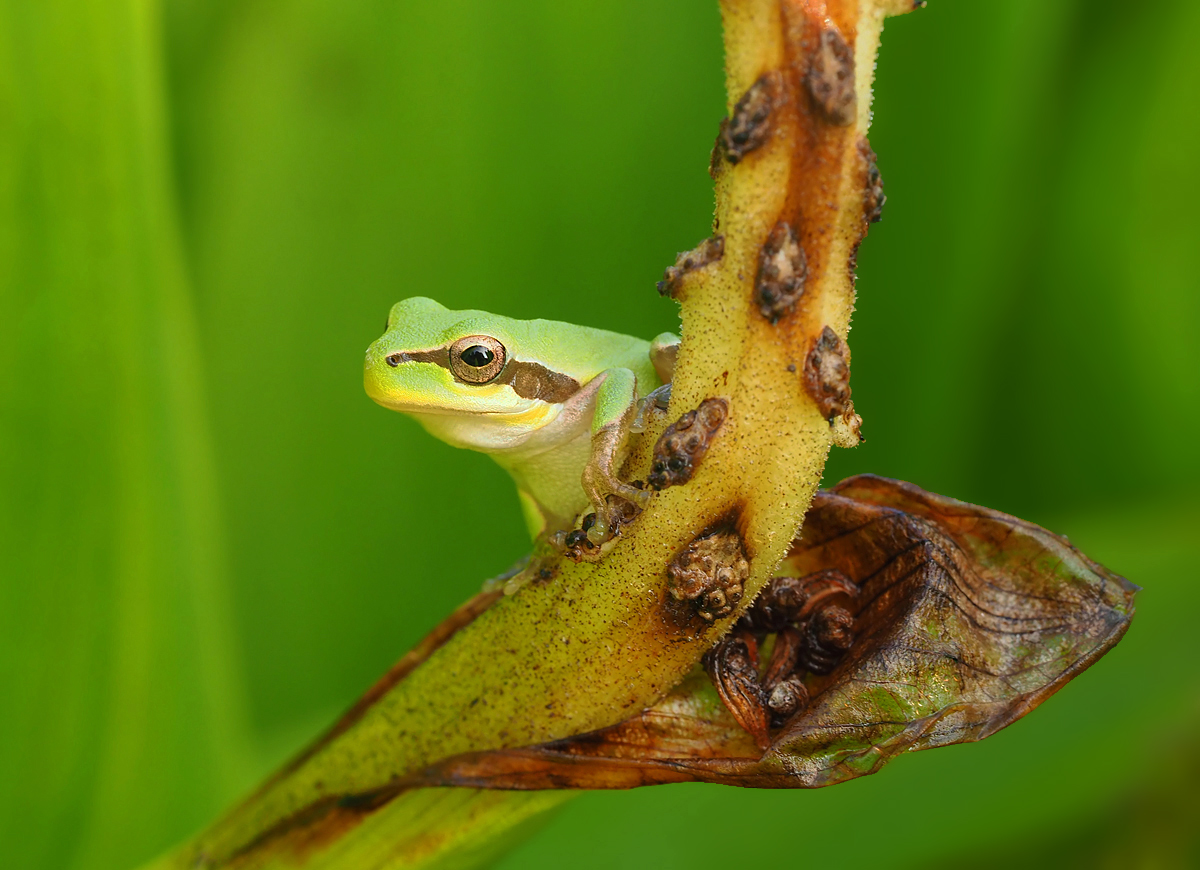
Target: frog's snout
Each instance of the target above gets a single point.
(378, 353)
(373, 370)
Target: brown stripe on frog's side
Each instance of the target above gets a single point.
(529, 380)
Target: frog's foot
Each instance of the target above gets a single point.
(600, 482)
(578, 547)
(608, 511)
(655, 402)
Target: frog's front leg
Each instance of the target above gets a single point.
(616, 405)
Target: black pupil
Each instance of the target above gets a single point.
(477, 356)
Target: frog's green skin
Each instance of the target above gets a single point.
(553, 406)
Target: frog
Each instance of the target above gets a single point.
(553, 403)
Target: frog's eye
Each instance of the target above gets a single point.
(477, 359)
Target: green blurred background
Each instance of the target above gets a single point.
(211, 541)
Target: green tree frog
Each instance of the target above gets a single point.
(551, 402)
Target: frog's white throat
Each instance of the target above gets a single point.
(515, 438)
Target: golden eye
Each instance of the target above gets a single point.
(477, 359)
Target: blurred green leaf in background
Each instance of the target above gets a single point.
(123, 720)
(211, 541)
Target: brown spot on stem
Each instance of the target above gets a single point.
(710, 574)
(782, 269)
(830, 78)
(751, 124)
(715, 157)
(682, 446)
(873, 196)
(708, 251)
(827, 374)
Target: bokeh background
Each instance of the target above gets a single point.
(211, 541)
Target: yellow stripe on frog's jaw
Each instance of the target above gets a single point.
(434, 391)
(534, 417)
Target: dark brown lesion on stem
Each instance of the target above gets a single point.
(707, 578)
(813, 116)
(830, 78)
(751, 123)
(682, 446)
(709, 251)
(782, 271)
(873, 195)
(827, 374)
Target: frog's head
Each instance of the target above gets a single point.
(464, 375)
